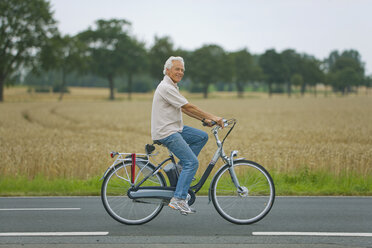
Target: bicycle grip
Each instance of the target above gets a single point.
(205, 124)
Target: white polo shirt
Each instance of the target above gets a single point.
(166, 114)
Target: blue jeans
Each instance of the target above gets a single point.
(186, 146)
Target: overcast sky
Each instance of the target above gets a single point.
(315, 27)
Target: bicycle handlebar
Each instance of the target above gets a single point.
(226, 122)
(205, 124)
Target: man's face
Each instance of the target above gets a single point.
(176, 71)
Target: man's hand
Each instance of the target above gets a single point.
(217, 120)
(209, 123)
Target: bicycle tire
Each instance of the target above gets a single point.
(249, 206)
(114, 194)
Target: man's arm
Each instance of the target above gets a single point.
(197, 113)
(184, 110)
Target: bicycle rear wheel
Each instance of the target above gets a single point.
(250, 203)
(114, 194)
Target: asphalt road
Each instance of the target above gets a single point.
(83, 222)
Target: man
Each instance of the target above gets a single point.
(167, 128)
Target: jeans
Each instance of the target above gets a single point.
(186, 146)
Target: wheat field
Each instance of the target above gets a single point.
(40, 136)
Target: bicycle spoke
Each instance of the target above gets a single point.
(252, 203)
(116, 201)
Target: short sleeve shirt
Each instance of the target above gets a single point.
(166, 114)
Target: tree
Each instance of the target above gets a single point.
(274, 70)
(297, 80)
(347, 64)
(65, 54)
(25, 26)
(291, 62)
(243, 69)
(344, 78)
(368, 83)
(311, 72)
(103, 43)
(186, 55)
(161, 50)
(209, 64)
(136, 60)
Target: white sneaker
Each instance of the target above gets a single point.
(181, 205)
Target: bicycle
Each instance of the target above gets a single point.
(134, 190)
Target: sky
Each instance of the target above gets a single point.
(314, 27)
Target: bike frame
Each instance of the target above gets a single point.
(220, 153)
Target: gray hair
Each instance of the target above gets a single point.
(169, 63)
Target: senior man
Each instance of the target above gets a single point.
(167, 127)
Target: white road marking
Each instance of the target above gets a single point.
(38, 209)
(334, 234)
(20, 234)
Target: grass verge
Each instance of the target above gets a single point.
(40, 186)
(300, 183)
(305, 182)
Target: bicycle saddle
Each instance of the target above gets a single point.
(149, 149)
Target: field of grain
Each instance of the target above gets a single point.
(72, 139)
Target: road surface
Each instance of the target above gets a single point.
(83, 222)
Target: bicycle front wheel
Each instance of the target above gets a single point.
(116, 201)
(249, 203)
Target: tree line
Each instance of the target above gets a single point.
(109, 54)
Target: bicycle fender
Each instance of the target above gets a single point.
(214, 177)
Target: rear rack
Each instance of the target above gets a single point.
(125, 156)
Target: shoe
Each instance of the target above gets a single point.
(181, 205)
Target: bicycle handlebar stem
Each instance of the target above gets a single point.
(219, 142)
